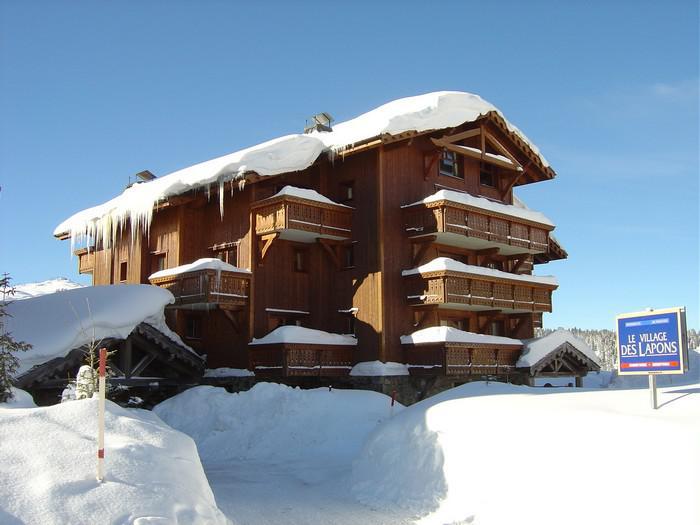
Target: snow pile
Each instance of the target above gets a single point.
(485, 204)
(432, 111)
(207, 263)
(20, 399)
(228, 372)
(48, 469)
(448, 334)
(303, 193)
(276, 423)
(56, 323)
(298, 334)
(538, 348)
(495, 453)
(29, 290)
(446, 264)
(377, 368)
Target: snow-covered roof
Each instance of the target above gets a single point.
(445, 263)
(304, 193)
(485, 204)
(534, 350)
(432, 111)
(54, 324)
(29, 290)
(378, 368)
(448, 334)
(208, 263)
(301, 335)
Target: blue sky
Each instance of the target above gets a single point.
(94, 92)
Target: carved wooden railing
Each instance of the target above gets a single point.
(86, 260)
(301, 360)
(478, 291)
(228, 289)
(461, 359)
(293, 213)
(446, 216)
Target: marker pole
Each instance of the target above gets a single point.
(393, 401)
(652, 390)
(101, 418)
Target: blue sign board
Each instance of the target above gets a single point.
(652, 342)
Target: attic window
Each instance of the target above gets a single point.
(487, 175)
(449, 165)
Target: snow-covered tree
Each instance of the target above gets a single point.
(9, 363)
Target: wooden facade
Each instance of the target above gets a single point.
(339, 268)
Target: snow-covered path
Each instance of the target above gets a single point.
(253, 493)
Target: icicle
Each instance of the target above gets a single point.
(208, 192)
(232, 189)
(221, 199)
(241, 184)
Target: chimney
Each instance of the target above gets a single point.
(319, 122)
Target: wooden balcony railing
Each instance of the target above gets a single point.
(293, 359)
(462, 290)
(86, 260)
(459, 224)
(224, 288)
(461, 359)
(305, 219)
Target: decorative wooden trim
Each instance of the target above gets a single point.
(264, 245)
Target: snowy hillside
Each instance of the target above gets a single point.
(47, 469)
(28, 290)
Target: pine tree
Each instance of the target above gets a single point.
(9, 363)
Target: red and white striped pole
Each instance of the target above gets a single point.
(101, 417)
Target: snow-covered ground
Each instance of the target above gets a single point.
(47, 468)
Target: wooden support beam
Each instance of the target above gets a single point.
(427, 168)
(483, 141)
(462, 136)
(467, 152)
(233, 319)
(522, 259)
(332, 250)
(488, 315)
(264, 245)
(424, 243)
(501, 149)
(142, 364)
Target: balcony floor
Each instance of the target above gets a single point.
(309, 237)
(475, 243)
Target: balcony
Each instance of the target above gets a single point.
(86, 260)
(443, 350)
(206, 284)
(302, 215)
(450, 284)
(462, 220)
(302, 352)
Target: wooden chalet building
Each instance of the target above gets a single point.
(397, 221)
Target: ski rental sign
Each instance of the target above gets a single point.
(652, 342)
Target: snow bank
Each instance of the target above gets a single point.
(20, 399)
(303, 193)
(299, 334)
(447, 264)
(485, 204)
(534, 350)
(29, 290)
(448, 334)
(377, 368)
(276, 423)
(47, 472)
(207, 263)
(482, 453)
(56, 323)
(432, 111)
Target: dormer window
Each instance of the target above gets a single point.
(448, 164)
(487, 175)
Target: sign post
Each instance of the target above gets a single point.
(101, 417)
(653, 343)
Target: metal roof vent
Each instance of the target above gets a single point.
(319, 122)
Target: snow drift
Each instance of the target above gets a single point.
(56, 323)
(47, 469)
(272, 422)
(492, 454)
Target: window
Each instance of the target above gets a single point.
(300, 260)
(227, 252)
(448, 164)
(158, 262)
(349, 256)
(350, 325)
(347, 191)
(498, 328)
(194, 327)
(123, 272)
(487, 175)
